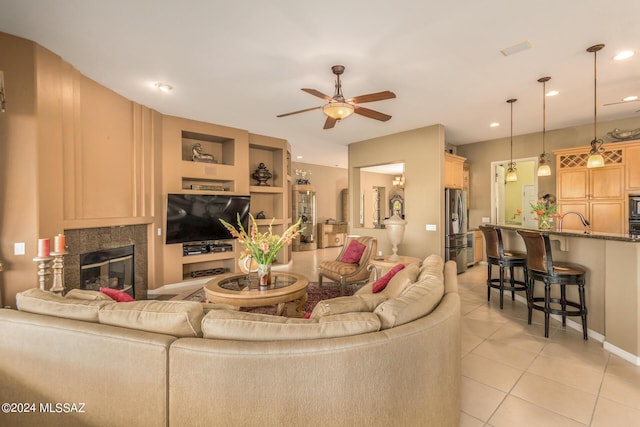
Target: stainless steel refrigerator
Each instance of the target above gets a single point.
(456, 226)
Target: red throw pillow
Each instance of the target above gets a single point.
(382, 282)
(117, 295)
(353, 253)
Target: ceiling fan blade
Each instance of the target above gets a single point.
(372, 114)
(372, 97)
(329, 123)
(299, 111)
(319, 95)
(620, 102)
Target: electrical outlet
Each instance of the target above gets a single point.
(486, 220)
(431, 227)
(159, 231)
(19, 248)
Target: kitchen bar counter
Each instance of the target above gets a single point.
(579, 233)
(612, 262)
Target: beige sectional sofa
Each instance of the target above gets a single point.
(370, 359)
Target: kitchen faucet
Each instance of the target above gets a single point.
(582, 218)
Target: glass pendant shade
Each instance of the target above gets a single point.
(338, 110)
(544, 170)
(595, 160)
(511, 176)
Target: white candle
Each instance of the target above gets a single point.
(43, 247)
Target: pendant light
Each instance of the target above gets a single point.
(543, 162)
(512, 172)
(595, 159)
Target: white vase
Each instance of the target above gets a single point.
(395, 230)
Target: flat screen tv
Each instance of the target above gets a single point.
(196, 217)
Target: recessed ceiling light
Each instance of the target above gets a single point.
(552, 93)
(163, 87)
(494, 124)
(630, 98)
(625, 54)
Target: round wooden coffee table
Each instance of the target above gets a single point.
(239, 290)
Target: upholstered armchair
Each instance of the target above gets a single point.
(346, 268)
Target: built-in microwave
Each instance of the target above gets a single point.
(634, 206)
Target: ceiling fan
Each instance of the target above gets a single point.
(338, 108)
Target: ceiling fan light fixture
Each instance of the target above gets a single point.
(338, 110)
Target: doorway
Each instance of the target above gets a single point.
(510, 200)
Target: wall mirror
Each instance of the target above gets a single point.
(381, 193)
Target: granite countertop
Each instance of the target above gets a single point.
(578, 233)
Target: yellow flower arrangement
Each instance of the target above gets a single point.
(262, 247)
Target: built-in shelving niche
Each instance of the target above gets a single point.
(222, 149)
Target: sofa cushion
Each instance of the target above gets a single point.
(238, 325)
(43, 302)
(433, 265)
(382, 282)
(87, 294)
(414, 302)
(177, 318)
(348, 304)
(404, 278)
(117, 295)
(353, 253)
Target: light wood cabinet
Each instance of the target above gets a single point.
(478, 246)
(330, 235)
(632, 154)
(598, 194)
(453, 171)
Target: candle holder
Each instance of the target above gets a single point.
(44, 270)
(58, 272)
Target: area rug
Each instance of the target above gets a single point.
(315, 293)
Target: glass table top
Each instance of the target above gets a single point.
(249, 282)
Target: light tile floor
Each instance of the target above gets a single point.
(514, 377)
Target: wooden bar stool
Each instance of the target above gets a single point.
(496, 255)
(540, 267)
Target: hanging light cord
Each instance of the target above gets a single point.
(511, 164)
(544, 116)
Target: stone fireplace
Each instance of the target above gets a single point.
(108, 239)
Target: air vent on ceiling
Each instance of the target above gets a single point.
(516, 48)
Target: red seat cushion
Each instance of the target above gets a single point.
(382, 282)
(117, 295)
(353, 253)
